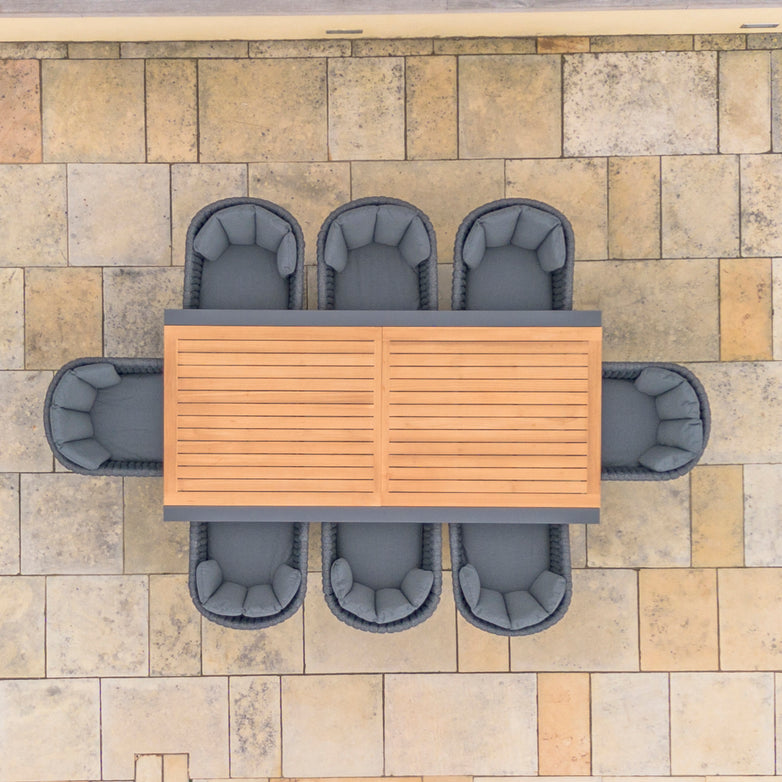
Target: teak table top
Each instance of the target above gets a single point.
(389, 416)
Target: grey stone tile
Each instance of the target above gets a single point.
(256, 740)
(720, 41)
(24, 442)
(71, 524)
(93, 50)
(338, 47)
(174, 628)
(745, 101)
(33, 50)
(169, 49)
(761, 190)
(764, 41)
(653, 310)
(391, 47)
(22, 617)
(11, 319)
(762, 512)
(614, 104)
(9, 523)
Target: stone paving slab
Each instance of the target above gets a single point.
(172, 111)
(11, 319)
(762, 512)
(255, 730)
(174, 628)
(22, 627)
(24, 442)
(717, 510)
(20, 126)
(9, 524)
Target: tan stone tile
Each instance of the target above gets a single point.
(97, 626)
(746, 421)
(277, 649)
(195, 186)
(761, 190)
(603, 615)
(576, 187)
(11, 319)
(634, 207)
(22, 618)
(103, 195)
(641, 43)
(745, 309)
(444, 779)
(170, 49)
(339, 47)
(444, 284)
(33, 221)
(499, 737)
(720, 41)
(642, 524)
(93, 111)
(174, 628)
(655, 310)
(678, 620)
(630, 723)
(446, 548)
(778, 694)
(776, 103)
(332, 646)
(149, 768)
(177, 715)
(262, 110)
(367, 108)
(93, 50)
(776, 306)
(744, 105)
(150, 544)
(66, 713)
(613, 104)
(762, 512)
(722, 723)
(509, 106)
(63, 318)
(436, 187)
(9, 524)
(485, 46)
(750, 618)
(314, 552)
(563, 44)
(716, 504)
(564, 744)
(700, 208)
(393, 47)
(175, 768)
(309, 191)
(172, 111)
(256, 742)
(20, 115)
(578, 554)
(764, 41)
(311, 287)
(33, 50)
(71, 524)
(24, 443)
(133, 304)
(333, 725)
(431, 108)
(479, 651)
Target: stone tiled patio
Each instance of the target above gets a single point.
(665, 152)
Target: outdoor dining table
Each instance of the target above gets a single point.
(422, 416)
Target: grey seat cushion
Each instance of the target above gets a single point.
(629, 423)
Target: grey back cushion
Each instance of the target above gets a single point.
(127, 418)
(629, 423)
(380, 555)
(507, 557)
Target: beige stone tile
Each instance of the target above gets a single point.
(174, 628)
(11, 319)
(444, 284)
(366, 108)
(764, 41)
(93, 50)
(133, 303)
(634, 207)
(720, 41)
(339, 47)
(309, 191)
(172, 111)
(630, 723)
(655, 310)
(177, 715)
(333, 726)
(436, 187)
(678, 620)
(93, 111)
(175, 768)
(22, 618)
(778, 678)
(394, 47)
(776, 104)
(578, 552)
(149, 768)
(641, 43)
(311, 287)
(762, 512)
(256, 741)
(479, 651)
(33, 50)
(278, 649)
(150, 544)
(500, 736)
(33, 221)
(744, 105)
(745, 309)
(509, 106)
(332, 646)
(722, 723)
(750, 618)
(716, 505)
(97, 626)
(431, 107)
(776, 306)
(262, 110)
(761, 190)
(20, 115)
(71, 524)
(576, 187)
(195, 186)
(314, 552)
(564, 743)
(170, 49)
(24, 443)
(9, 524)
(700, 207)
(746, 421)
(613, 104)
(102, 195)
(563, 44)
(66, 713)
(642, 524)
(603, 615)
(484, 46)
